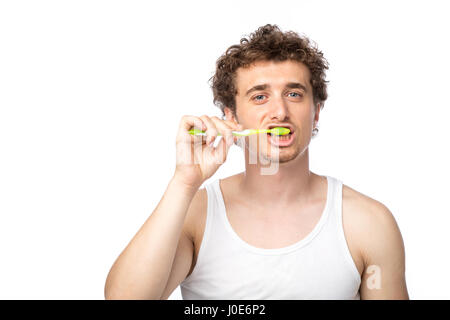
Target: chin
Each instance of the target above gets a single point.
(284, 155)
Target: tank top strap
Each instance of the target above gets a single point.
(338, 222)
(213, 207)
(335, 194)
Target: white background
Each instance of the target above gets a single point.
(91, 94)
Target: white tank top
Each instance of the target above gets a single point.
(319, 266)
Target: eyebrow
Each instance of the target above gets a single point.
(291, 85)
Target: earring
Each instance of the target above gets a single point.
(315, 131)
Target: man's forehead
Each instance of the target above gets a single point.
(272, 72)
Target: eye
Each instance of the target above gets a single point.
(298, 94)
(259, 95)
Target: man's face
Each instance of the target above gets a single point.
(276, 93)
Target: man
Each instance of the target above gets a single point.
(286, 234)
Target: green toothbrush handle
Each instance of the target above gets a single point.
(197, 132)
(278, 131)
(247, 132)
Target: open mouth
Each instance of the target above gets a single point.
(281, 140)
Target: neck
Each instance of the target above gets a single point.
(289, 184)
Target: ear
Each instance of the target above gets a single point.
(229, 115)
(317, 112)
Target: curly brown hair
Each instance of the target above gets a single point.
(267, 43)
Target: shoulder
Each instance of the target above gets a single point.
(365, 208)
(373, 230)
(371, 225)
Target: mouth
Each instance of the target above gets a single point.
(281, 141)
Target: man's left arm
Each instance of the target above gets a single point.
(384, 257)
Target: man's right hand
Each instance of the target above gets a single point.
(197, 158)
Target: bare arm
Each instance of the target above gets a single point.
(159, 256)
(384, 257)
(183, 261)
(143, 268)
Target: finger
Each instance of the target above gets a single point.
(226, 128)
(211, 129)
(221, 151)
(223, 123)
(232, 124)
(187, 123)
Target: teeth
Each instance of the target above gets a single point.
(285, 137)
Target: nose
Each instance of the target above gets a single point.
(278, 110)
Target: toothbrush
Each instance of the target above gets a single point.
(279, 131)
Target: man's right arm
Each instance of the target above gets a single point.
(142, 270)
(160, 255)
